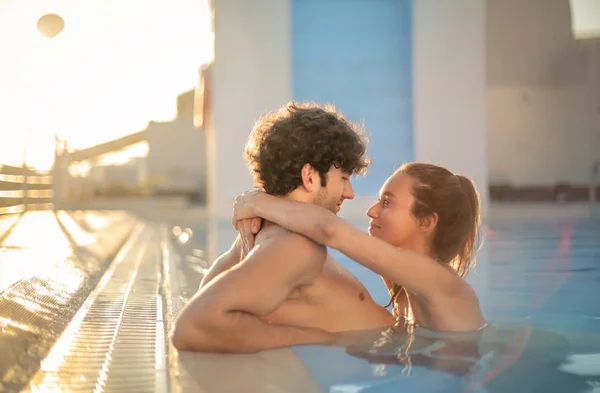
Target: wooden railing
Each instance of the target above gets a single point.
(23, 189)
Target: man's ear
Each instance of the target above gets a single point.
(310, 178)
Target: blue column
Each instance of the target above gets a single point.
(358, 55)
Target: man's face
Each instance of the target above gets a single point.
(337, 189)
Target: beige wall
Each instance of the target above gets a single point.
(543, 97)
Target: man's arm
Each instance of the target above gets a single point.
(225, 262)
(226, 315)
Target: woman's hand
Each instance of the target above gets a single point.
(248, 228)
(245, 221)
(243, 208)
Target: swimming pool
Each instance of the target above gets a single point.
(543, 278)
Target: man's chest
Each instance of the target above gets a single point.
(333, 284)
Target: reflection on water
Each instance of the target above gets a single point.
(269, 371)
(182, 235)
(503, 360)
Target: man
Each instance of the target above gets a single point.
(287, 290)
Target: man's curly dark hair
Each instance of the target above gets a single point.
(283, 141)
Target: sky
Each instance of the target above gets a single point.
(117, 65)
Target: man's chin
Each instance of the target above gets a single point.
(334, 209)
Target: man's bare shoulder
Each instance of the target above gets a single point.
(270, 232)
(273, 232)
(281, 245)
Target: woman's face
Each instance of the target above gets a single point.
(391, 217)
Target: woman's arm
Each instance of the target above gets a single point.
(417, 273)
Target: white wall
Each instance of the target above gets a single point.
(585, 18)
(177, 155)
(449, 86)
(449, 97)
(251, 74)
(543, 98)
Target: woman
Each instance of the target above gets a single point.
(422, 237)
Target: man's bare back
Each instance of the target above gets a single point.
(334, 300)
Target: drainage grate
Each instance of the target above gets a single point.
(116, 342)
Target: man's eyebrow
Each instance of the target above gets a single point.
(388, 194)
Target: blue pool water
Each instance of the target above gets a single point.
(544, 275)
(543, 287)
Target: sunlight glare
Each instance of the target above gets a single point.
(38, 240)
(184, 237)
(102, 78)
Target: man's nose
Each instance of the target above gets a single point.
(348, 191)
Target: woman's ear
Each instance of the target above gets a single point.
(428, 224)
(309, 177)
